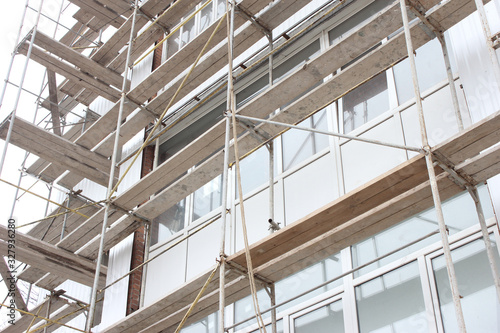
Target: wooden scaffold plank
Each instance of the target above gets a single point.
(58, 150)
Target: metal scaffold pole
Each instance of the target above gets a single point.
(225, 175)
(95, 287)
(18, 96)
(489, 43)
(432, 175)
(7, 77)
(486, 238)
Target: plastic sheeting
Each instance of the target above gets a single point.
(476, 73)
(115, 297)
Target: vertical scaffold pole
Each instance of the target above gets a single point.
(7, 77)
(486, 238)
(270, 147)
(274, 327)
(225, 175)
(147, 226)
(432, 175)
(451, 81)
(18, 96)
(93, 299)
(489, 43)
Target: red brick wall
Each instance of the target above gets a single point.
(134, 285)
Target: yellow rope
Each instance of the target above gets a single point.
(170, 34)
(62, 213)
(43, 318)
(168, 106)
(35, 316)
(61, 318)
(232, 107)
(41, 197)
(205, 286)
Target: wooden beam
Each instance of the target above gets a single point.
(50, 258)
(49, 230)
(166, 313)
(11, 285)
(71, 73)
(22, 324)
(72, 134)
(58, 150)
(54, 109)
(99, 11)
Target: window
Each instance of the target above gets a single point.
(392, 302)
(299, 145)
(207, 198)
(365, 102)
(459, 214)
(430, 70)
(254, 170)
(168, 223)
(195, 26)
(327, 319)
(475, 282)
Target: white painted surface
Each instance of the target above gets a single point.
(310, 188)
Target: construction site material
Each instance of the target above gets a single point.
(45, 256)
(390, 198)
(58, 150)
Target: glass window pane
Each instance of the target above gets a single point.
(392, 303)
(252, 90)
(308, 278)
(168, 223)
(254, 170)
(357, 19)
(221, 7)
(295, 61)
(206, 17)
(365, 102)
(188, 31)
(475, 283)
(299, 145)
(459, 214)
(430, 70)
(207, 198)
(208, 324)
(327, 319)
(279, 327)
(173, 44)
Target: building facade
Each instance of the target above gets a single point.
(375, 264)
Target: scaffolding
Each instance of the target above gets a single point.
(70, 242)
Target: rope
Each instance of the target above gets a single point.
(232, 106)
(205, 286)
(41, 197)
(36, 315)
(61, 318)
(265, 57)
(169, 105)
(47, 319)
(62, 213)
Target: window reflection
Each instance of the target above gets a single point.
(392, 303)
(327, 319)
(299, 145)
(430, 70)
(207, 198)
(365, 102)
(459, 213)
(475, 283)
(168, 223)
